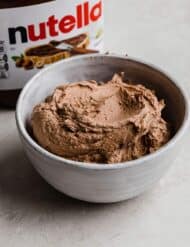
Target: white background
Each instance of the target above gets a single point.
(33, 214)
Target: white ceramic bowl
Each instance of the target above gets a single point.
(102, 182)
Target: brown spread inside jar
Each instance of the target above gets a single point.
(21, 3)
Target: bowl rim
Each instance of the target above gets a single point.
(96, 166)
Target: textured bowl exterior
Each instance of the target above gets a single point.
(93, 182)
(101, 186)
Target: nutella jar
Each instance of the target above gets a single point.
(36, 33)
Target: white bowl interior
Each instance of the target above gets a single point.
(102, 68)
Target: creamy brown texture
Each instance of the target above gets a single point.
(100, 122)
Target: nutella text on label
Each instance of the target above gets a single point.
(32, 33)
(84, 15)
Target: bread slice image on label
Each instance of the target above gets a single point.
(38, 56)
(46, 31)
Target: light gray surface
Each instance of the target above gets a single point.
(33, 214)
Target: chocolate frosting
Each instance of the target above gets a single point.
(101, 122)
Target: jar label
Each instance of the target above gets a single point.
(38, 33)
